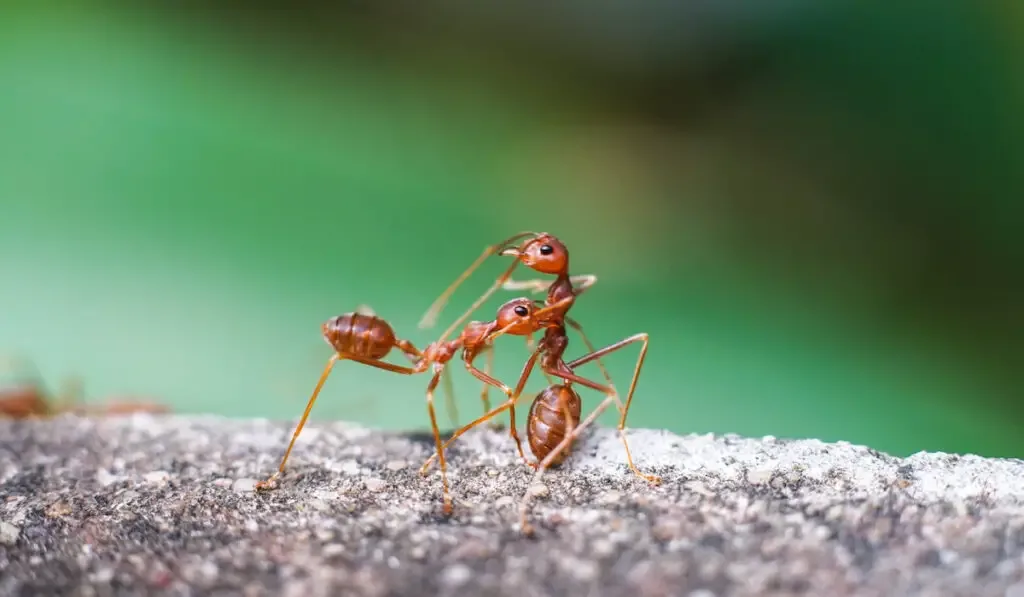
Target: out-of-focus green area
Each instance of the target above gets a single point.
(815, 212)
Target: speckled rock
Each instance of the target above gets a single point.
(148, 505)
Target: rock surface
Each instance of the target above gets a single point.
(149, 505)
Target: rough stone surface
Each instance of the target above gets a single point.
(149, 505)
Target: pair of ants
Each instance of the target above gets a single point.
(553, 421)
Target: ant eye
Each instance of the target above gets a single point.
(546, 249)
(521, 311)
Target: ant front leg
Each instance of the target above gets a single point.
(579, 283)
(629, 396)
(271, 481)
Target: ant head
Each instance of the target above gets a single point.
(516, 317)
(543, 253)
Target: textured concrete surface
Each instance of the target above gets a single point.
(164, 506)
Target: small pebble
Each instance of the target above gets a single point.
(456, 575)
(9, 533)
(103, 575)
(760, 475)
(244, 485)
(396, 465)
(537, 490)
(374, 484)
(157, 477)
(333, 549)
(505, 501)
(603, 548)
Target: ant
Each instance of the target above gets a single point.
(368, 339)
(29, 400)
(552, 346)
(543, 253)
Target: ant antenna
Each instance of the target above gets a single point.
(430, 317)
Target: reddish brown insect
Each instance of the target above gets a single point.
(368, 339)
(549, 351)
(30, 400)
(543, 253)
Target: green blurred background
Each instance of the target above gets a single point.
(815, 212)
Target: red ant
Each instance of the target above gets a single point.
(30, 400)
(368, 339)
(552, 346)
(543, 253)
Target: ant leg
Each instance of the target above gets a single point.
(536, 286)
(485, 389)
(579, 283)
(449, 399)
(438, 370)
(430, 317)
(476, 304)
(566, 443)
(513, 396)
(590, 347)
(531, 345)
(70, 396)
(629, 396)
(271, 481)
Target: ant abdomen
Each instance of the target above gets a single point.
(359, 334)
(546, 425)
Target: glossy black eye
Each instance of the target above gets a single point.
(521, 311)
(546, 249)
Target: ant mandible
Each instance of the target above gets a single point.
(368, 339)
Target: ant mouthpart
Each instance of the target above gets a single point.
(513, 252)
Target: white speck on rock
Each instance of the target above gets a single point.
(375, 484)
(505, 501)
(103, 575)
(456, 575)
(538, 490)
(104, 478)
(243, 485)
(9, 533)
(759, 476)
(157, 477)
